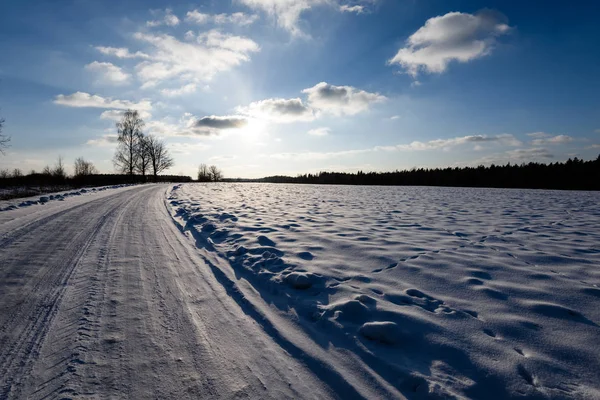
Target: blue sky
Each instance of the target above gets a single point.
(262, 87)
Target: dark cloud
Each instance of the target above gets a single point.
(214, 122)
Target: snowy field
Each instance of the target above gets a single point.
(410, 291)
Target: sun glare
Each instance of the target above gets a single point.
(254, 131)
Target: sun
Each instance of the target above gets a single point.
(254, 131)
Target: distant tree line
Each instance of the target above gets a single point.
(574, 174)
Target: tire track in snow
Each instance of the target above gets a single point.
(77, 323)
(42, 273)
(16, 359)
(14, 235)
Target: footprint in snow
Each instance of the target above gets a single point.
(519, 351)
(306, 255)
(525, 374)
(490, 333)
(481, 275)
(473, 281)
(472, 313)
(265, 241)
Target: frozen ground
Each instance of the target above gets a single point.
(415, 292)
(282, 291)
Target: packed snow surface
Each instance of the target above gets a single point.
(260, 291)
(410, 291)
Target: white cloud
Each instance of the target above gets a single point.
(116, 115)
(394, 117)
(311, 155)
(238, 18)
(319, 132)
(539, 135)
(593, 146)
(120, 52)
(438, 144)
(278, 110)
(286, 12)
(104, 141)
(210, 53)
(454, 36)
(222, 158)
(168, 19)
(108, 73)
(216, 39)
(197, 17)
(82, 99)
(519, 156)
(186, 89)
(339, 100)
(322, 98)
(188, 125)
(163, 128)
(352, 9)
(597, 131)
(559, 139)
(187, 148)
(444, 144)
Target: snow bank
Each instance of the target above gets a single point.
(437, 292)
(21, 203)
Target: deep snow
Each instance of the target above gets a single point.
(413, 291)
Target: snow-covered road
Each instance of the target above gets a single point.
(102, 296)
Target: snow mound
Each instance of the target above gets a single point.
(386, 332)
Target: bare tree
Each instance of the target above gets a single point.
(143, 159)
(215, 173)
(59, 169)
(160, 159)
(17, 173)
(130, 133)
(83, 167)
(203, 173)
(3, 138)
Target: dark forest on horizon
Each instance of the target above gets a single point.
(574, 174)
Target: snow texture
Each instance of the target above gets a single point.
(410, 291)
(102, 297)
(268, 291)
(61, 196)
